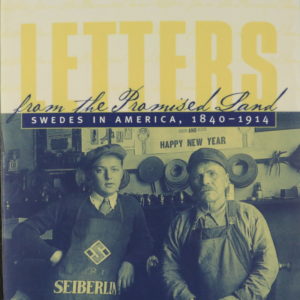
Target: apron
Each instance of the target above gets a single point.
(90, 267)
(222, 255)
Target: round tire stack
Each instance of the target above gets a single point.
(176, 176)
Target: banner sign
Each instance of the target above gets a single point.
(179, 119)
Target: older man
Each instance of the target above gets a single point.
(101, 235)
(217, 250)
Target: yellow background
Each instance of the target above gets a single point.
(283, 15)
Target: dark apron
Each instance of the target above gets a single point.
(222, 255)
(90, 267)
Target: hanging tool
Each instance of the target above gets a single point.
(143, 135)
(275, 161)
(249, 173)
(150, 170)
(176, 176)
(109, 135)
(294, 159)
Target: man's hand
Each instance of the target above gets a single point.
(56, 257)
(229, 298)
(125, 276)
(152, 262)
(20, 296)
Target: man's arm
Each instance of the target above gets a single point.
(176, 286)
(141, 244)
(265, 263)
(26, 236)
(139, 248)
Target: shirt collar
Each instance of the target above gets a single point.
(217, 216)
(97, 199)
(206, 210)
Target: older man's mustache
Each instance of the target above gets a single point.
(207, 189)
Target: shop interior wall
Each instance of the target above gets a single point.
(265, 143)
(16, 138)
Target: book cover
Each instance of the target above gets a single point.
(104, 103)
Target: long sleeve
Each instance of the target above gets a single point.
(176, 286)
(26, 236)
(265, 263)
(140, 243)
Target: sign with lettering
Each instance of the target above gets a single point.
(189, 139)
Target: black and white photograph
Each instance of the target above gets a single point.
(152, 213)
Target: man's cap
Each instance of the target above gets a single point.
(113, 149)
(207, 154)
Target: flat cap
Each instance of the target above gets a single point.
(207, 154)
(93, 155)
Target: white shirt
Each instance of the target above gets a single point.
(97, 200)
